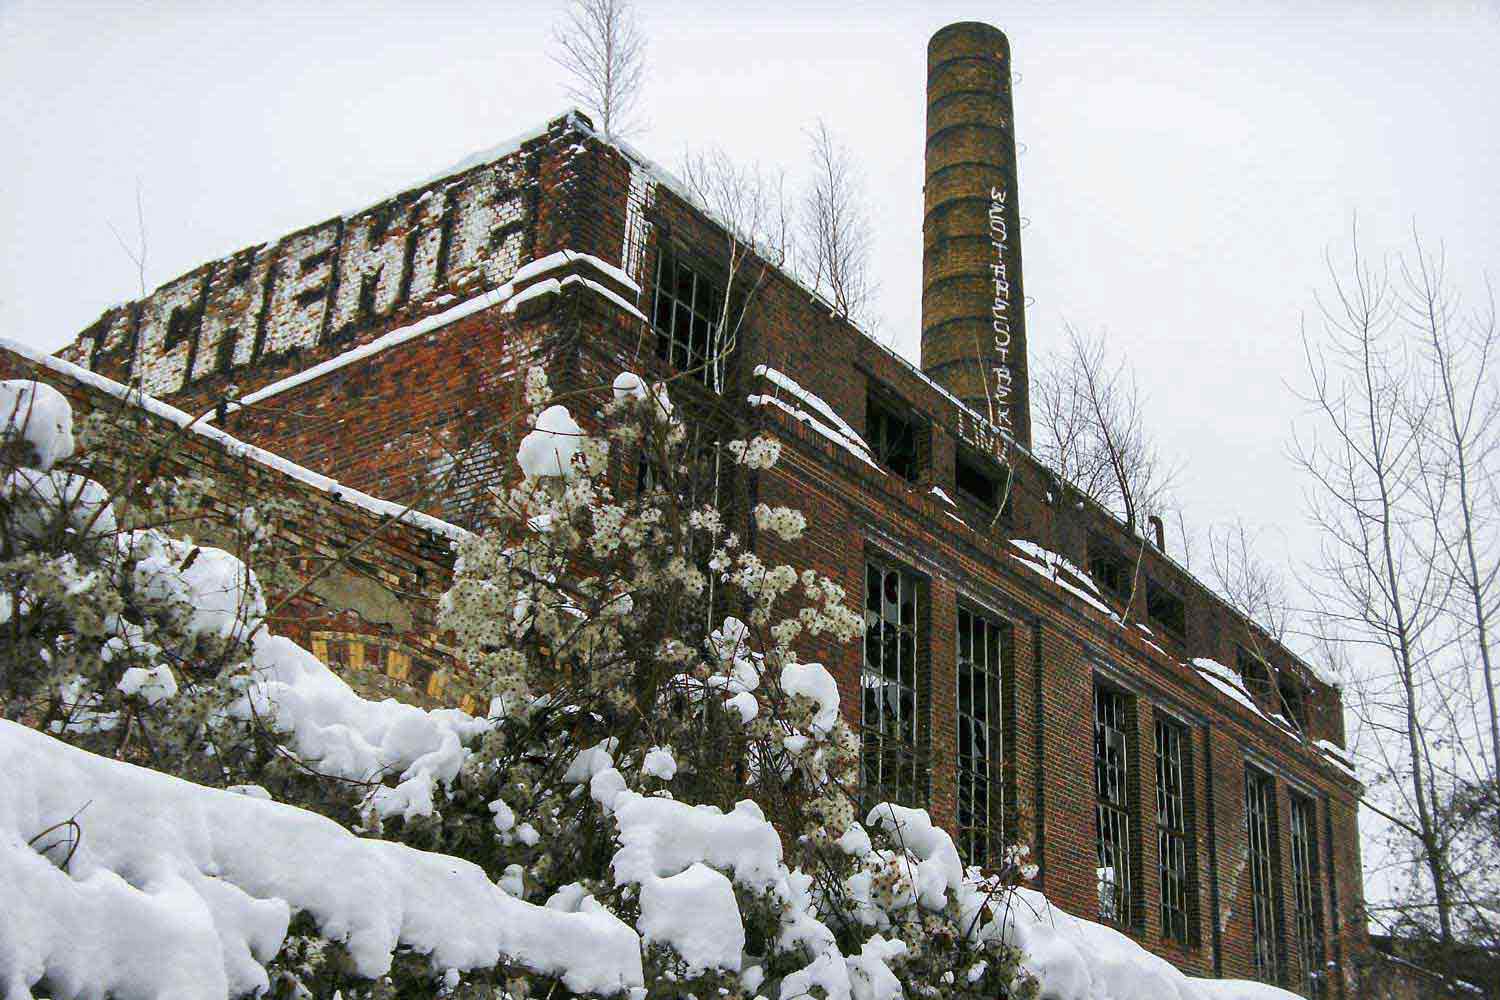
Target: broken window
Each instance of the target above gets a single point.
(1260, 832)
(1172, 840)
(893, 691)
(1166, 609)
(979, 739)
(686, 316)
(1112, 805)
(891, 431)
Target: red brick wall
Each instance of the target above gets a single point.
(384, 423)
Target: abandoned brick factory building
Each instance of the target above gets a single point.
(1032, 641)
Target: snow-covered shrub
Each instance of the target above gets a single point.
(610, 623)
(119, 634)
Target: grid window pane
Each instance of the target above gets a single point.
(1171, 829)
(686, 313)
(980, 839)
(1111, 772)
(892, 765)
(1309, 902)
(1260, 829)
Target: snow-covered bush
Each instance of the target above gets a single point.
(658, 746)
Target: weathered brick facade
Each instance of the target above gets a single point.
(422, 414)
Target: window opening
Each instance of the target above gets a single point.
(1166, 609)
(892, 436)
(686, 316)
(1112, 814)
(892, 769)
(1308, 899)
(1260, 830)
(1172, 828)
(980, 746)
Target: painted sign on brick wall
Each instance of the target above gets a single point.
(322, 286)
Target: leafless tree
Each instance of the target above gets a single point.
(836, 230)
(601, 46)
(749, 203)
(1458, 452)
(1091, 430)
(1377, 587)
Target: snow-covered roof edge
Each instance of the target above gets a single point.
(236, 447)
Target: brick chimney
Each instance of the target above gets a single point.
(973, 315)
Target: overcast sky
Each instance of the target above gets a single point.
(1184, 169)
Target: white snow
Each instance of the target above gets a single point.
(342, 734)
(660, 763)
(939, 868)
(211, 592)
(38, 414)
(938, 492)
(562, 258)
(1228, 683)
(547, 286)
(400, 335)
(41, 503)
(695, 912)
(152, 686)
(629, 384)
(184, 892)
(802, 416)
(1048, 565)
(236, 447)
(790, 386)
(661, 837)
(549, 449)
(812, 680)
(498, 151)
(1079, 960)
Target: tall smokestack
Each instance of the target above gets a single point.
(973, 316)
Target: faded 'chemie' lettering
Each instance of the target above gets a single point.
(319, 286)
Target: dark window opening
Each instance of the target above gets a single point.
(977, 482)
(1112, 811)
(1174, 846)
(892, 435)
(980, 788)
(1111, 570)
(686, 315)
(1308, 898)
(893, 766)
(1260, 832)
(1293, 703)
(1166, 609)
(1255, 673)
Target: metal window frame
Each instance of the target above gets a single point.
(1307, 900)
(701, 363)
(1112, 806)
(1260, 834)
(910, 788)
(1172, 827)
(982, 838)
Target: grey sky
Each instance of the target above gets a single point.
(1184, 168)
